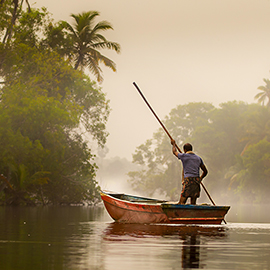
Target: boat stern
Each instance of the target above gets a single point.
(195, 214)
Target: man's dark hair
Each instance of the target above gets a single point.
(187, 147)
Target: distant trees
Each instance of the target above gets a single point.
(251, 183)
(233, 141)
(46, 107)
(257, 126)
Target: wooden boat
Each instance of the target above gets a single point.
(125, 208)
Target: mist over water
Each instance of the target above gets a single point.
(118, 184)
(112, 174)
(250, 213)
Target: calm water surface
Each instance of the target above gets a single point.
(86, 238)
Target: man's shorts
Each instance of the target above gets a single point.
(191, 187)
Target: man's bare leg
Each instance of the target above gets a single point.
(193, 200)
(182, 200)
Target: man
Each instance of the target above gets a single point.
(192, 179)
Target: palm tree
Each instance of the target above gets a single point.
(265, 94)
(87, 40)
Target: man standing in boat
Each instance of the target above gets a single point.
(191, 166)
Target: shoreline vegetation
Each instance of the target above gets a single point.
(50, 110)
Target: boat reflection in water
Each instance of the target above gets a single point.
(190, 240)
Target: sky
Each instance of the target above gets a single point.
(177, 51)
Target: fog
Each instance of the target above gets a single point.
(177, 51)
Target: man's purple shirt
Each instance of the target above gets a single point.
(191, 163)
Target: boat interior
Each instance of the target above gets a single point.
(131, 198)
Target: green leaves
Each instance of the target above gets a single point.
(254, 176)
(47, 110)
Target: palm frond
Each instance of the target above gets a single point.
(101, 26)
(94, 68)
(107, 62)
(108, 45)
(263, 96)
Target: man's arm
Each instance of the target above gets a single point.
(174, 148)
(205, 171)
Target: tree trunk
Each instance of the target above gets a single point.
(9, 31)
(80, 58)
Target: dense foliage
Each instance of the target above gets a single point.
(46, 108)
(233, 140)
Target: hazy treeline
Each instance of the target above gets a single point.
(233, 140)
(48, 104)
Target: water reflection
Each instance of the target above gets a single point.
(190, 249)
(84, 238)
(46, 237)
(191, 252)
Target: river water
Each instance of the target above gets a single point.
(86, 238)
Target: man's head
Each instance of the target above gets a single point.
(187, 147)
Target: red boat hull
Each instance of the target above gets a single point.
(129, 212)
(151, 211)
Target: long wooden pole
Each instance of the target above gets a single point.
(168, 134)
(154, 114)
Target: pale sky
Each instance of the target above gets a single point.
(177, 51)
